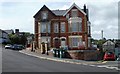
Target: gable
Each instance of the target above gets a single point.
(44, 8)
(74, 6)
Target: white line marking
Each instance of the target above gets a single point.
(85, 64)
(92, 65)
(108, 67)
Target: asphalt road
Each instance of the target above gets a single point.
(14, 61)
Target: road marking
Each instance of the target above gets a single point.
(92, 65)
(108, 67)
(77, 63)
(84, 64)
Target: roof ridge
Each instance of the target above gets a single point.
(55, 10)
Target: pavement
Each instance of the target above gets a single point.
(65, 60)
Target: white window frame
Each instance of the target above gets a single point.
(71, 41)
(41, 27)
(47, 27)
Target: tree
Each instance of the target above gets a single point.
(23, 39)
(14, 39)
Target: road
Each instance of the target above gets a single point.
(14, 61)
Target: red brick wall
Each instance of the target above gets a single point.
(36, 33)
(83, 55)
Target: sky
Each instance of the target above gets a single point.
(18, 14)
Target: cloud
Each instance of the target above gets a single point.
(19, 14)
(64, 7)
(35, 1)
(111, 27)
(96, 32)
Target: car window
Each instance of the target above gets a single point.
(8, 44)
(109, 53)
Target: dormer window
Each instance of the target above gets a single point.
(74, 13)
(44, 15)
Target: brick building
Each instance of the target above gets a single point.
(68, 27)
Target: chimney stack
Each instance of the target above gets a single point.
(84, 8)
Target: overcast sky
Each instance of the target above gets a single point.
(19, 14)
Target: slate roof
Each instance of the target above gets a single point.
(59, 12)
(62, 12)
(9, 31)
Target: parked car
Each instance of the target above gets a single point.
(109, 56)
(23, 47)
(118, 58)
(17, 47)
(8, 46)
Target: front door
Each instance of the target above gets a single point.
(56, 43)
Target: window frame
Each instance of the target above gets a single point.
(62, 25)
(47, 27)
(74, 27)
(73, 14)
(72, 42)
(44, 13)
(56, 29)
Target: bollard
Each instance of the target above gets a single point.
(46, 48)
(41, 48)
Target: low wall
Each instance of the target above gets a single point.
(81, 54)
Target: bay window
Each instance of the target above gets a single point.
(75, 41)
(75, 27)
(45, 27)
(80, 26)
